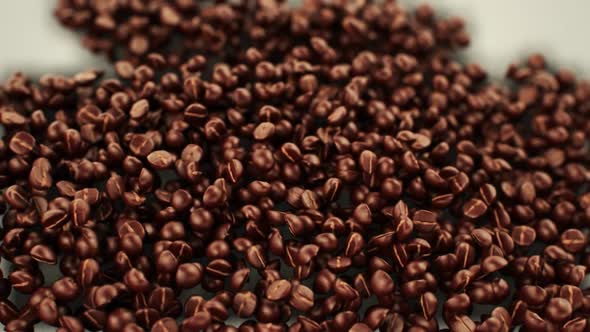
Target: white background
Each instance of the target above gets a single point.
(503, 31)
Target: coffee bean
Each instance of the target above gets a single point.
(482, 237)
(8, 311)
(219, 268)
(558, 309)
(161, 159)
(381, 283)
(54, 219)
(474, 208)
(143, 146)
(165, 325)
(306, 254)
(244, 304)
(23, 281)
(200, 321)
(136, 281)
(360, 327)
(462, 323)
(576, 324)
(573, 240)
(368, 161)
(40, 175)
(71, 324)
(94, 318)
(188, 275)
(166, 262)
(163, 300)
(492, 264)
(65, 289)
(17, 325)
(214, 197)
(302, 298)
(48, 311)
(88, 272)
(523, 235)
(104, 295)
(43, 254)
(218, 310)
(362, 214)
(22, 143)
(533, 295)
(264, 131)
(278, 290)
(256, 257)
(428, 302)
(118, 319)
(425, 221)
(16, 197)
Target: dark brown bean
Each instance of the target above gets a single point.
(22, 143)
(381, 283)
(43, 254)
(302, 298)
(244, 304)
(573, 240)
(278, 290)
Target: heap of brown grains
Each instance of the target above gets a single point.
(260, 167)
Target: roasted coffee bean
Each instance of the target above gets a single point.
(189, 275)
(65, 289)
(492, 264)
(425, 221)
(573, 240)
(244, 304)
(161, 159)
(360, 327)
(278, 290)
(165, 325)
(306, 254)
(104, 295)
(136, 281)
(118, 318)
(8, 311)
(40, 176)
(462, 323)
(256, 257)
(301, 298)
(576, 324)
(362, 214)
(428, 302)
(48, 311)
(23, 281)
(523, 235)
(71, 324)
(79, 212)
(54, 219)
(474, 208)
(381, 283)
(163, 300)
(16, 197)
(44, 254)
(94, 318)
(558, 309)
(533, 295)
(88, 272)
(22, 143)
(17, 325)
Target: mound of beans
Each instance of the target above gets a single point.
(257, 166)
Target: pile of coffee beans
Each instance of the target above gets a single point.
(257, 166)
